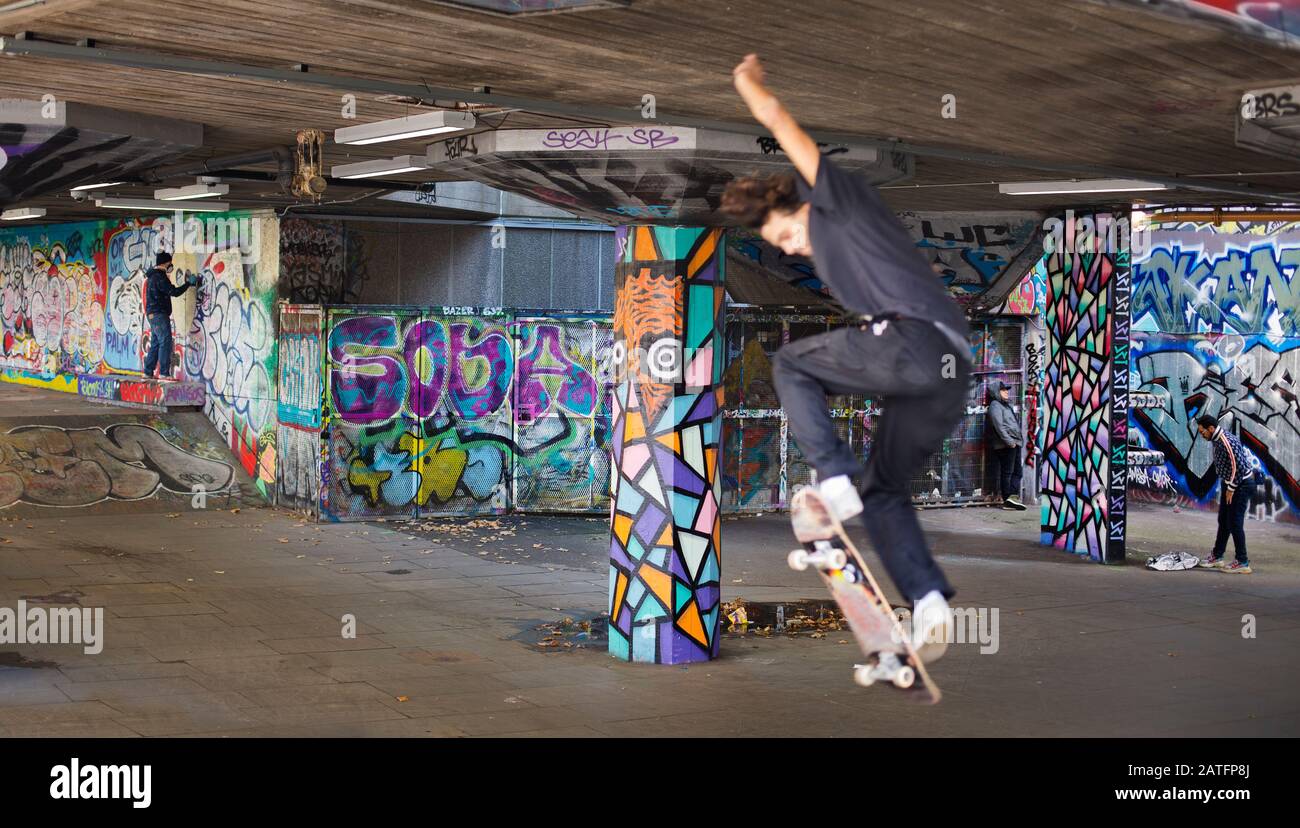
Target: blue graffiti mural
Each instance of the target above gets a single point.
(1179, 289)
(1249, 383)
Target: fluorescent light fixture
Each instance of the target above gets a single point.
(23, 213)
(400, 129)
(203, 189)
(1073, 187)
(381, 166)
(97, 186)
(149, 205)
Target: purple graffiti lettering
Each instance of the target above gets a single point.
(600, 139)
(571, 138)
(365, 386)
(480, 381)
(426, 365)
(651, 137)
(576, 390)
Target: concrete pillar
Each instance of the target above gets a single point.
(668, 355)
(1084, 474)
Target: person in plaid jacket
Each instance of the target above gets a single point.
(1236, 490)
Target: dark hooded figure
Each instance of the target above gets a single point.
(1005, 441)
(158, 293)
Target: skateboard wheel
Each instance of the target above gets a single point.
(904, 678)
(837, 559)
(798, 560)
(862, 675)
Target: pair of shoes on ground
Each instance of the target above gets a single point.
(1013, 504)
(1236, 567)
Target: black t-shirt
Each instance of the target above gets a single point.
(867, 257)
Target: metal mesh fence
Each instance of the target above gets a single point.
(438, 412)
(756, 479)
(562, 415)
(434, 413)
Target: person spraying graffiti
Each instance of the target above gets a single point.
(1236, 491)
(159, 291)
(907, 344)
(1005, 441)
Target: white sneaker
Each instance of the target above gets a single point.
(841, 496)
(932, 626)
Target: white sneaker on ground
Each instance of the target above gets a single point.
(841, 496)
(932, 626)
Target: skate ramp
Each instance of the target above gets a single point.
(115, 461)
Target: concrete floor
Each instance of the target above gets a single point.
(227, 623)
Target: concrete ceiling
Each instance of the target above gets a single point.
(1065, 82)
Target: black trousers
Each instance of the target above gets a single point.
(1232, 520)
(1007, 470)
(922, 382)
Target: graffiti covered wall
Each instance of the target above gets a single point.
(970, 250)
(1029, 298)
(230, 345)
(562, 414)
(321, 262)
(130, 247)
(53, 466)
(455, 411)
(72, 312)
(52, 293)
(1217, 331)
(72, 295)
(967, 251)
(1276, 21)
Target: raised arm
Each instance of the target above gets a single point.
(768, 111)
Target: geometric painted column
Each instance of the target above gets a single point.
(1121, 293)
(668, 354)
(1083, 475)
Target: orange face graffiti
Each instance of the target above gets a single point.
(647, 317)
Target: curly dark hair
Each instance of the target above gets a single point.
(748, 200)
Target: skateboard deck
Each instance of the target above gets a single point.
(882, 639)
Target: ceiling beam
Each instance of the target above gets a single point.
(444, 96)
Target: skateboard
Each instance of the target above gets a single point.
(882, 639)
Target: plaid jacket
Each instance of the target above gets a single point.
(1230, 460)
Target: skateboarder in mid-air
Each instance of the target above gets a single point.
(909, 346)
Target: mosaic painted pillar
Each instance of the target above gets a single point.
(668, 354)
(1084, 474)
